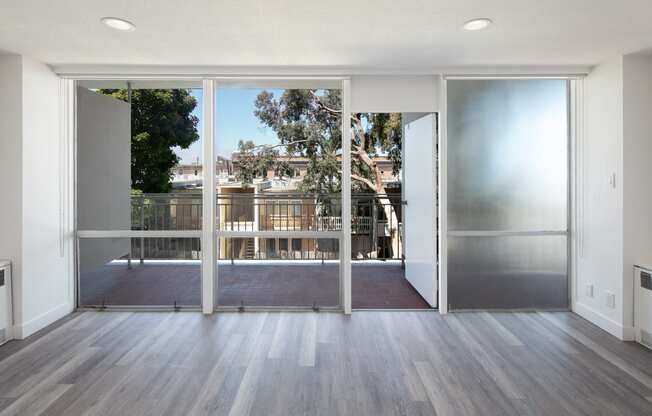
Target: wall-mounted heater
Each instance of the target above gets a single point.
(643, 305)
(6, 318)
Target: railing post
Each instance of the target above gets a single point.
(142, 227)
(374, 227)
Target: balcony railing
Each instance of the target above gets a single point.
(376, 224)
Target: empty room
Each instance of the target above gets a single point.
(326, 208)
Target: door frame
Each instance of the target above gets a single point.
(575, 101)
(209, 233)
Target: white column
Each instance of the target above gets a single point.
(68, 145)
(345, 242)
(442, 188)
(208, 268)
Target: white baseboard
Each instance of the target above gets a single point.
(25, 329)
(624, 333)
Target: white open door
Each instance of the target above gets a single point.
(420, 213)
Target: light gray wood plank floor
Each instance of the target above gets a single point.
(370, 363)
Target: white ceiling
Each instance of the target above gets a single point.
(344, 33)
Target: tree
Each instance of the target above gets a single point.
(160, 121)
(308, 124)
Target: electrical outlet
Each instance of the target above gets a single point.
(611, 300)
(589, 291)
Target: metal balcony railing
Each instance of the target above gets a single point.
(376, 224)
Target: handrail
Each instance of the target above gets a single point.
(505, 233)
(294, 195)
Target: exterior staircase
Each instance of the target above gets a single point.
(250, 249)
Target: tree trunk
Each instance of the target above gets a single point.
(392, 227)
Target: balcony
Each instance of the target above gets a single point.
(255, 271)
(373, 235)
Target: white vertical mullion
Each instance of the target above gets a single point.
(208, 199)
(575, 174)
(345, 242)
(443, 202)
(68, 114)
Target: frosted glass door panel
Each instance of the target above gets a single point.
(507, 154)
(507, 272)
(507, 194)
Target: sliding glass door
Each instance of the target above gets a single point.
(507, 182)
(139, 193)
(213, 193)
(278, 176)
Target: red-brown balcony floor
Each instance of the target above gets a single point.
(377, 285)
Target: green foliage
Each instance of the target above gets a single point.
(308, 124)
(160, 121)
(384, 133)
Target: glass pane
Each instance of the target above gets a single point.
(267, 273)
(507, 171)
(507, 154)
(507, 272)
(140, 272)
(378, 159)
(139, 155)
(278, 154)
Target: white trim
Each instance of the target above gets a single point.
(139, 234)
(563, 75)
(496, 233)
(443, 202)
(200, 77)
(209, 267)
(85, 71)
(576, 200)
(624, 333)
(68, 106)
(435, 207)
(22, 331)
(280, 234)
(345, 242)
(272, 262)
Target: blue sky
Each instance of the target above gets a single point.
(235, 121)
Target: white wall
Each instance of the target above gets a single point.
(11, 129)
(395, 94)
(614, 193)
(637, 172)
(42, 273)
(599, 228)
(45, 279)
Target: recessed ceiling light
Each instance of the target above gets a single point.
(118, 24)
(477, 24)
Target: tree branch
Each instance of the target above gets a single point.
(324, 106)
(363, 180)
(272, 146)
